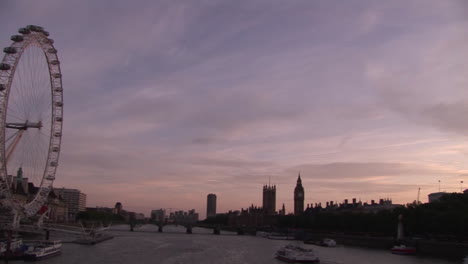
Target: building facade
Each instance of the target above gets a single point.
(24, 192)
(117, 208)
(158, 215)
(74, 199)
(58, 210)
(298, 197)
(211, 205)
(253, 216)
(269, 199)
(353, 206)
(183, 218)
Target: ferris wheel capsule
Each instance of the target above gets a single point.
(17, 38)
(5, 67)
(52, 51)
(9, 50)
(24, 31)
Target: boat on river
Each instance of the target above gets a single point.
(326, 242)
(281, 237)
(93, 238)
(16, 249)
(403, 250)
(262, 234)
(296, 254)
(38, 250)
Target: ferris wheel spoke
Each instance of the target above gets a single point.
(30, 157)
(24, 83)
(18, 93)
(41, 102)
(44, 135)
(16, 106)
(9, 114)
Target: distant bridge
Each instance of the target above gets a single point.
(187, 225)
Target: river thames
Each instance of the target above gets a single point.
(175, 247)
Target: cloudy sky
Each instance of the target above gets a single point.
(167, 101)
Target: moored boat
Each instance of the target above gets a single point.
(296, 254)
(14, 243)
(42, 249)
(403, 250)
(328, 242)
(16, 249)
(281, 237)
(262, 234)
(93, 239)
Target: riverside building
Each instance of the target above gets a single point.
(74, 199)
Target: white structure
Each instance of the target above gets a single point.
(435, 196)
(30, 134)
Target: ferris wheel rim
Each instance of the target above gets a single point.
(32, 36)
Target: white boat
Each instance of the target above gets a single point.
(291, 253)
(328, 242)
(14, 243)
(93, 238)
(281, 237)
(403, 250)
(262, 234)
(42, 249)
(16, 248)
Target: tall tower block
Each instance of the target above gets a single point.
(211, 205)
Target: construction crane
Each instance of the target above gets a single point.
(419, 192)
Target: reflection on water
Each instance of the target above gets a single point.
(175, 247)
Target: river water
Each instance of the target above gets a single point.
(175, 247)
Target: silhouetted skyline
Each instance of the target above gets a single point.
(165, 102)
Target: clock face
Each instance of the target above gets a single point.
(300, 195)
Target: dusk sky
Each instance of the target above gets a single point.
(167, 101)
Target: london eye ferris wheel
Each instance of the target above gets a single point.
(31, 115)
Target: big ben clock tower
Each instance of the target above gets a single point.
(299, 197)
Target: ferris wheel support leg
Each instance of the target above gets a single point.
(40, 222)
(13, 145)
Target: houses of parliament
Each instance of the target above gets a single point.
(267, 215)
(269, 199)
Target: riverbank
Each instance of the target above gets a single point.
(433, 248)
